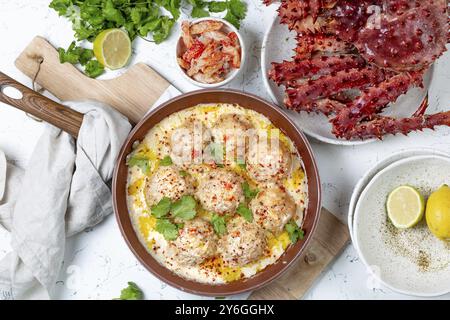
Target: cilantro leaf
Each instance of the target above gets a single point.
(94, 68)
(295, 233)
(85, 56)
(231, 18)
(159, 35)
(174, 8)
(61, 6)
(237, 8)
(162, 208)
(248, 192)
(183, 173)
(219, 224)
(140, 161)
(132, 292)
(166, 161)
(217, 6)
(111, 13)
(217, 152)
(184, 208)
(241, 163)
(167, 229)
(71, 55)
(75, 54)
(150, 27)
(198, 12)
(236, 12)
(245, 212)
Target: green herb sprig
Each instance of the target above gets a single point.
(295, 233)
(132, 292)
(184, 209)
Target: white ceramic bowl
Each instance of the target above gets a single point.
(228, 27)
(362, 183)
(277, 46)
(410, 261)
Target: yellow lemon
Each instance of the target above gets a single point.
(112, 48)
(405, 207)
(438, 213)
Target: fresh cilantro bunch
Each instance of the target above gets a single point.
(138, 17)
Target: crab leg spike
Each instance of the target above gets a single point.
(324, 106)
(308, 44)
(327, 85)
(373, 100)
(282, 73)
(381, 126)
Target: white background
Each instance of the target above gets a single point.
(98, 263)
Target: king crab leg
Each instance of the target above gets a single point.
(328, 85)
(381, 126)
(282, 73)
(324, 106)
(373, 100)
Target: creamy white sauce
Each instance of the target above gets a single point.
(157, 144)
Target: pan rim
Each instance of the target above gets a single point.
(191, 286)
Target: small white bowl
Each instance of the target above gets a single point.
(228, 27)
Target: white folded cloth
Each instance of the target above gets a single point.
(63, 191)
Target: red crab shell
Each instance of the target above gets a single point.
(380, 48)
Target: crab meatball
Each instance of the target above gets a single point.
(188, 142)
(272, 208)
(244, 242)
(268, 160)
(167, 182)
(232, 130)
(195, 243)
(220, 191)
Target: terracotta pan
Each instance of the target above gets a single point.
(70, 121)
(281, 121)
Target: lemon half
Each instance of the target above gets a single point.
(112, 48)
(438, 213)
(405, 207)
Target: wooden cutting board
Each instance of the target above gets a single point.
(133, 93)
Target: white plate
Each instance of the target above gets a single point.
(362, 183)
(277, 46)
(411, 261)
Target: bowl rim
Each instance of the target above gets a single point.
(232, 75)
(271, 272)
(358, 205)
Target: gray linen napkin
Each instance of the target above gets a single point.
(62, 192)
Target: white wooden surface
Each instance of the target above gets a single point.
(98, 263)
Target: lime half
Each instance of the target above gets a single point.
(405, 207)
(112, 48)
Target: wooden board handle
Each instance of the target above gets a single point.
(41, 107)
